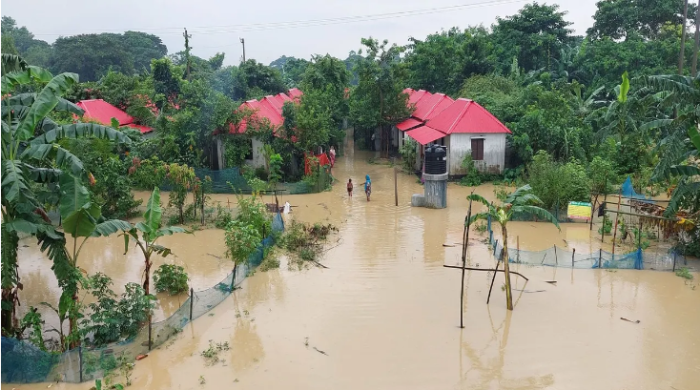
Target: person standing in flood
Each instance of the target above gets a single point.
(350, 188)
(332, 155)
(368, 186)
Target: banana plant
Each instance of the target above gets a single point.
(150, 231)
(82, 220)
(521, 201)
(31, 154)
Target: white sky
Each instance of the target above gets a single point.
(216, 26)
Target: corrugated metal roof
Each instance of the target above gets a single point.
(467, 116)
(103, 112)
(269, 107)
(408, 124)
(429, 106)
(425, 134)
(295, 93)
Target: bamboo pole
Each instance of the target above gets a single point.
(191, 302)
(396, 188)
(556, 260)
(465, 244)
(517, 240)
(488, 298)
(485, 269)
(617, 216)
(572, 258)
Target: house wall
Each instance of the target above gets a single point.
(459, 145)
(258, 159)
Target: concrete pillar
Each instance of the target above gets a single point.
(435, 190)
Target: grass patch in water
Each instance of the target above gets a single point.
(684, 273)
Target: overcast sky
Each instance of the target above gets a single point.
(216, 26)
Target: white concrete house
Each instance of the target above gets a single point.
(464, 127)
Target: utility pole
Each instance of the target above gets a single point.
(187, 51)
(697, 44)
(683, 35)
(243, 43)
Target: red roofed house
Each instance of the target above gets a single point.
(462, 126)
(267, 109)
(103, 112)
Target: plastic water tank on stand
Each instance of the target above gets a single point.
(435, 160)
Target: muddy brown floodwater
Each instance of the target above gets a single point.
(386, 312)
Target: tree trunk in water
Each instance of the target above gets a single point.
(10, 244)
(73, 321)
(683, 37)
(506, 267)
(693, 71)
(147, 277)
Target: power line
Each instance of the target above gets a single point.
(317, 22)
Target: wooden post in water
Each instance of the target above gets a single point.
(150, 323)
(233, 279)
(674, 261)
(488, 298)
(600, 258)
(396, 188)
(465, 243)
(617, 216)
(572, 258)
(80, 361)
(191, 302)
(639, 239)
(517, 240)
(556, 260)
(595, 200)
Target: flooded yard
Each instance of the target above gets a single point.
(385, 313)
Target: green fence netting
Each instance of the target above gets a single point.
(562, 257)
(23, 362)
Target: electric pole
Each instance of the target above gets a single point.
(243, 43)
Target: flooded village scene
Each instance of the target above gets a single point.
(474, 195)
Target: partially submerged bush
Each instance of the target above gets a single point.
(113, 320)
(558, 184)
(304, 241)
(171, 278)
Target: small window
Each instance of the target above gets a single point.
(477, 149)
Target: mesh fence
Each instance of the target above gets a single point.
(563, 257)
(23, 362)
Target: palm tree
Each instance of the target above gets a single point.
(151, 231)
(521, 201)
(31, 154)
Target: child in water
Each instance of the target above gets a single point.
(350, 188)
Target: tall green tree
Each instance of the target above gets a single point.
(378, 100)
(519, 202)
(442, 61)
(622, 19)
(535, 36)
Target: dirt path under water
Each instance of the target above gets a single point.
(386, 312)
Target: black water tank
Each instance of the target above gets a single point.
(435, 160)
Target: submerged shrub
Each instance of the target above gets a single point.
(171, 278)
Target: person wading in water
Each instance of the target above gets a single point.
(368, 186)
